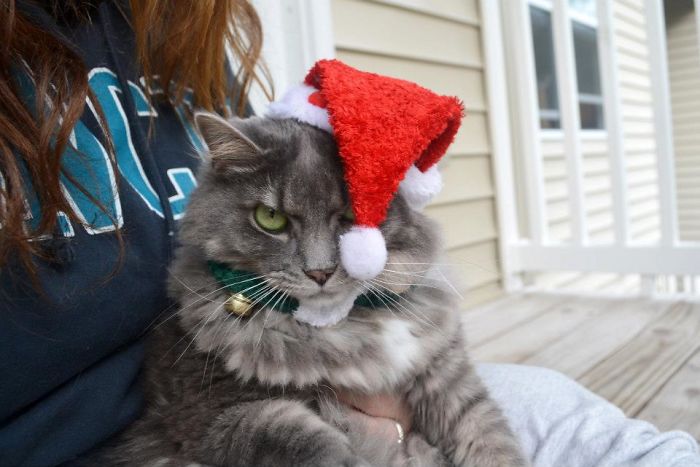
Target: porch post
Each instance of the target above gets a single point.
(501, 147)
(607, 51)
(527, 108)
(656, 40)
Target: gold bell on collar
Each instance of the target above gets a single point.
(239, 305)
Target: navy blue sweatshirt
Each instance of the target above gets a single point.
(70, 359)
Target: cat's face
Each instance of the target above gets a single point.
(272, 201)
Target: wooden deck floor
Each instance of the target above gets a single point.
(642, 355)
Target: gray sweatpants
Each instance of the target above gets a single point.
(562, 424)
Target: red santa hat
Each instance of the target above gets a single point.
(390, 134)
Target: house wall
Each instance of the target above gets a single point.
(437, 43)
(596, 187)
(684, 76)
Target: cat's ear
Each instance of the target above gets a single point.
(229, 149)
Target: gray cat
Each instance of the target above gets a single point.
(256, 387)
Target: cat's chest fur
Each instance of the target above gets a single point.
(397, 351)
(367, 353)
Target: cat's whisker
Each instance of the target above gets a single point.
(230, 284)
(268, 291)
(262, 296)
(168, 308)
(196, 302)
(408, 273)
(462, 263)
(200, 300)
(407, 284)
(378, 294)
(206, 361)
(423, 263)
(272, 290)
(211, 314)
(281, 299)
(271, 306)
(220, 326)
(199, 330)
(442, 277)
(378, 291)
(454, 289)
(193, 291)
(184, 336)
(381, 296)
(421, 315)
(227, 324)
(416, 314)
(267, 315)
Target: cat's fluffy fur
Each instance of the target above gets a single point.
(222, 390)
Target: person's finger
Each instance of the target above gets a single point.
(380, 405)
(376, 427)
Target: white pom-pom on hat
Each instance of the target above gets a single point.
(363, 252)
(295, 104)
(418, 188)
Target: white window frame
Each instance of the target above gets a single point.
(560, 38)
(547, 133)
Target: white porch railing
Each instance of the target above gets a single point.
(669, 266)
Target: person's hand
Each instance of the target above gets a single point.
(383, 422)
(381, 415)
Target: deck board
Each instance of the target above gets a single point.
(678, 402)
(531, 337)
(608, 330)
(484, 323)
(643, 355)
(633, 374)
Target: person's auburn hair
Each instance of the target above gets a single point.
(179, 46)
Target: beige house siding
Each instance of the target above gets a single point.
(684, 75)
(437, 43)
(637, 119)
(596, 188)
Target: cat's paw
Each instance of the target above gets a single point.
(335, 456)
(421, 454)
(353, 461)
(173, 462)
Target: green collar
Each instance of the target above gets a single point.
(249, 285)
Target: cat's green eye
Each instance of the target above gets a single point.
(348, 215)
(270, 219)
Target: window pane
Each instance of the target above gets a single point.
(587, 7)
(541, 22)
(590, 95)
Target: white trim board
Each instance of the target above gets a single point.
(502, 150)
(653, 260)
(297, 33)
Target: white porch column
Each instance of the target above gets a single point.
(656, 40)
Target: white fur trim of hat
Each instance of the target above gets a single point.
(295, 104)
(418, 188)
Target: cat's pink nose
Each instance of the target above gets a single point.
(320, 276)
